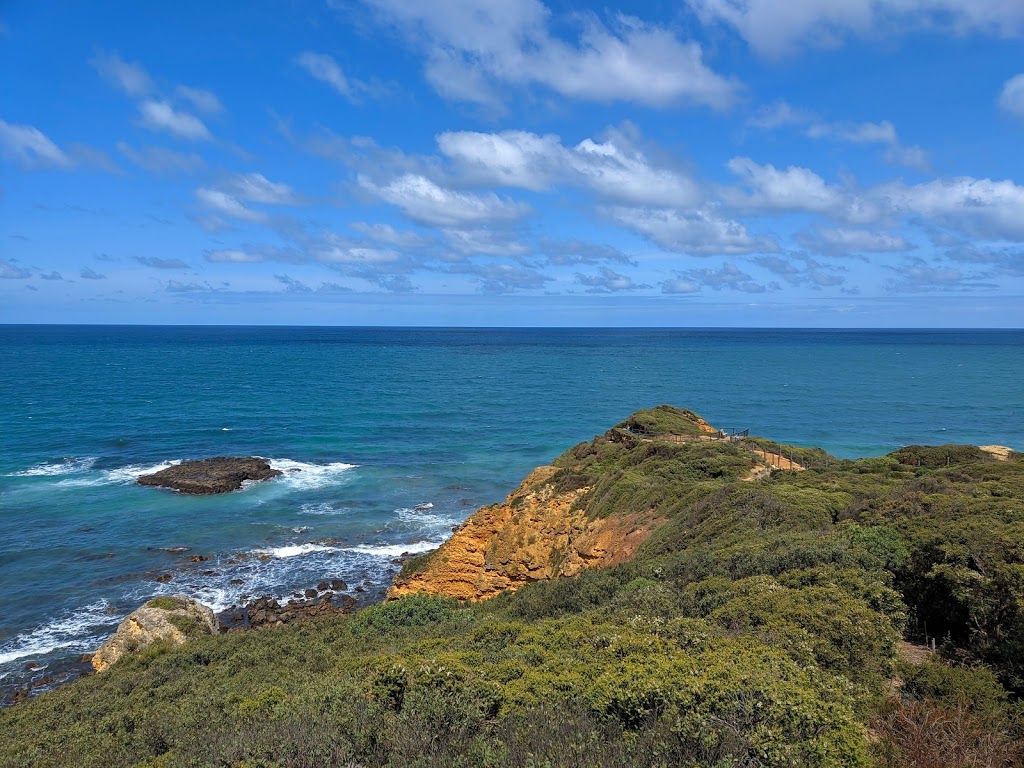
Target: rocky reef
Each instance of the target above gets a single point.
(221, 474)
(172, 620)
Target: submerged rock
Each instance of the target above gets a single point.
(172, 620)
(217, 475)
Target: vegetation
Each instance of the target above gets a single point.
(760, 625)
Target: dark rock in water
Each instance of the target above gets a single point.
(237, 581)
(323, 586)
(267, 612)
(163, 578)
(310, 593)
(199, 558)
(338, 585)
(177, 550)
(218, 475)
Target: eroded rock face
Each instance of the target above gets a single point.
(536, 534)
(205, 476)
(173, 620)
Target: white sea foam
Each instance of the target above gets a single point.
(66, 467)
(119, 475)
(294, 550)
(395, 550)
(75, 631)
(305, 476)
(318, 508)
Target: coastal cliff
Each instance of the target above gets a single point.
(539, 532)
(558, 522)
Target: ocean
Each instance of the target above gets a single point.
(399, 435)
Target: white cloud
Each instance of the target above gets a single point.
(222, 202)
(127, 76)
(773, 30)
(855, 133)
(842, 241)
(699, 232)
(615, 169)
(473, 46)
(425, 202)
(728, 276)
(385, 233)
(233, 256)
(608, 281)
(324, 68)
(792, 189)
(257, 188)
(679, 286)
(201, 99)
(782, 114)
(161, 116)
(11, 271)
(484, 242)
(30, 147)
(1011, 97)
(981, 207)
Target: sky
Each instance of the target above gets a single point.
(747, 163)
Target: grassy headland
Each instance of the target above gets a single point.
(763, 621)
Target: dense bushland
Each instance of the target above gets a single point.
(760, 625)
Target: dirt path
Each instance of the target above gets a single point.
(778, 461)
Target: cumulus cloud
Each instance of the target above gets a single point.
(615, 169)
(11, 271)
(782, 114)
(88, 273)
(727, 277)
(503, 278)
(233, 256)
(774, 32)
(577, 252)
(920, 276)
(699, 232)
(1011, 97)
(767, 188)
(426, 202)
(385, 233)
(841, 241)
(128, 77)
(472, 48)
(982, 207)
(51, 276)
(31, 148)
(608, 281)
(161, 116)
(800, 269)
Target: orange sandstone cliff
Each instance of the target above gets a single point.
(536, 533)
(545, 528)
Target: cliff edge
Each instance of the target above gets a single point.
(573, 514)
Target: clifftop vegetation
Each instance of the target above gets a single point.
(764, 621)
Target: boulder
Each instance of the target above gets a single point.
(171, 620)
(217, 475)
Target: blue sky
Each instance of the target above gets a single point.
(821, 163)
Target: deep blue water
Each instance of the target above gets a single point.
(381, 420)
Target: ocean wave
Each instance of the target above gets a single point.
(119, 475)
(395, 550)
(294, 550)
(76, 631)
(71, 466)
(305, 476)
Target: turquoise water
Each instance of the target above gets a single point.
(380, 421)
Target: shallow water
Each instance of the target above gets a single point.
(381, 420)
